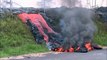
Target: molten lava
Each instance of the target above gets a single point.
(54, 41)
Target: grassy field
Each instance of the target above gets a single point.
(16, 39)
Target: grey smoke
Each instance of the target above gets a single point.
(77, 24)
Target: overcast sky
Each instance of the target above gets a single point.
(56, 3)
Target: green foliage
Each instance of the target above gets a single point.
(101, 34)
(24, 49)
(13, 33)
(15, 38)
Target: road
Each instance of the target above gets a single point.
(93, 55)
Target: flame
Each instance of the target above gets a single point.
(88, 46)
(77, 48)
(62, 50)
(71, 50)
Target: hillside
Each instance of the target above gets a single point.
(15, 37)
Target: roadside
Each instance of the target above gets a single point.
(93, 55)
(16, 39)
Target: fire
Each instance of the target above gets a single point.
(88, 46)
(75, 31)
(62, 50)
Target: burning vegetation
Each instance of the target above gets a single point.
(63, 29)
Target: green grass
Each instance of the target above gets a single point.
(24, 49)
(101, 34)
(16, 39)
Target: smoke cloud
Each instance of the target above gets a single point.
(77, 24)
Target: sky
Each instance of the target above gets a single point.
(56, 3)
(26, 3)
